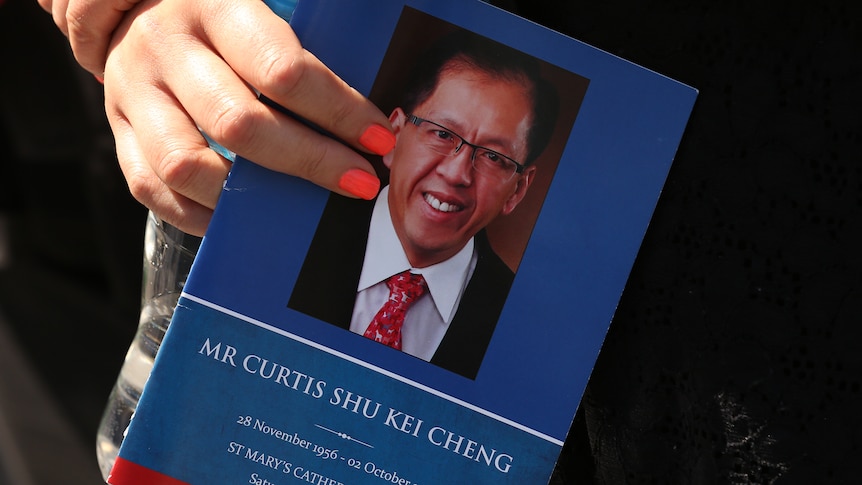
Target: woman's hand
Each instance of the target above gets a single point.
(178, 67)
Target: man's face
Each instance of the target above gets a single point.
(489, 112)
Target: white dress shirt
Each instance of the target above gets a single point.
(428, 319)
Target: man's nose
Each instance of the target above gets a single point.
(457, 168)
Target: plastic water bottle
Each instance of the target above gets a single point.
(168, 255)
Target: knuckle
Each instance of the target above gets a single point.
(290, 77)
(178, 168)
(232, 123)
(312, 164)
(73, 18)
(284, 72)
(143, 186)
(341, 114)
(77, 25)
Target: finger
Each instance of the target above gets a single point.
(170, 206)
(90, 24)
(272, 60)
(229, 112)
(57, 9)
(175, 149)
(46, 5)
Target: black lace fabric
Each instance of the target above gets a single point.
(734, 354)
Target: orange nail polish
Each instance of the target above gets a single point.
(377, 139)
(359, 183)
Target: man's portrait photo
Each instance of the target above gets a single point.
(426, 267)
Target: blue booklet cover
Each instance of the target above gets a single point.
(263, 377)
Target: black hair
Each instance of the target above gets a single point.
(497, 60)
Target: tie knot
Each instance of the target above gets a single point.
(406, 287)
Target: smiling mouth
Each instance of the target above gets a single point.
(441, 206)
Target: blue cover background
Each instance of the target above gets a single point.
(587, 236)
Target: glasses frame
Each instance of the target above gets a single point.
(519, 167)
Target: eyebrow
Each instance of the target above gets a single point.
(504, 147)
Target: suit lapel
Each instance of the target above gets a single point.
(334, 261)
(463, 347)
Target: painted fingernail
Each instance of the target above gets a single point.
(377, 139)
(101, 79)
(359, 183)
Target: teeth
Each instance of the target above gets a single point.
(440, 206)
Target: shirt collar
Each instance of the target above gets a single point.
(385, 257)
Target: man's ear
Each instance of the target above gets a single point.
(397, 119)
(524, 181)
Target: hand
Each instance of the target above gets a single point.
(88, 24)
(175, 66)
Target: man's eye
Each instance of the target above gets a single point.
(494, 157)
(443, 134)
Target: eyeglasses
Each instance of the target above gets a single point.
(444, 141)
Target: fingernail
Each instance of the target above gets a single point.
(359, 183)
(377, 139)
(100, 79)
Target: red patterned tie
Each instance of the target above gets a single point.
(404, 289)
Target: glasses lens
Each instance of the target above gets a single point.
(492, 163)
(439, 139)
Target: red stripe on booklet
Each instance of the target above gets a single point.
(125, 472)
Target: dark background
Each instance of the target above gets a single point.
(72, 239)
(733, 356)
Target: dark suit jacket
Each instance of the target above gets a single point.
(326, 286)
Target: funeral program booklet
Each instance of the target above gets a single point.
(526, 170)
